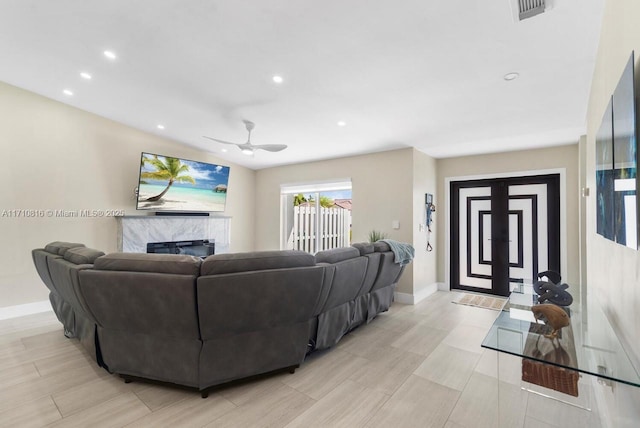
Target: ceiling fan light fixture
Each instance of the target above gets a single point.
(248, 148)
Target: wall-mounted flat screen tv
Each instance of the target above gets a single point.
(625, 159)
(181, 185)
(604, 175)
(616, 164)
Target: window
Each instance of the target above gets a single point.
(316, 216)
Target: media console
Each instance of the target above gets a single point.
(199, 247)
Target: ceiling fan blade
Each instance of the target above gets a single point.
(271, 147)
(219, 141)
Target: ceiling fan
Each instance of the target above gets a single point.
(248, 148)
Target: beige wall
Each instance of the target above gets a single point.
(383, 191)
(59, 157)
(613, 270)
(584, 202)
(424, 181)
(515, 162)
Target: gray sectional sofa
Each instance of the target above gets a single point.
(202, 323)
(59, 269)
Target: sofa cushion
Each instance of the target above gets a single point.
(142, 262)
(257, 260)
(337, 255)
(40, 259)
(381, 247)
(82, 255)
(59, 247)
(364, 247)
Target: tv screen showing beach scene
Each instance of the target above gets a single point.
(173, 184)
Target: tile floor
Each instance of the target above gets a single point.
(414, 366)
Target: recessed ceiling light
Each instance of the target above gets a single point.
(342, 123)
(160, 126)
(68, 92)
(224, 150)
(86, 76)
(110, 54)
(278, 79)
(511, 76)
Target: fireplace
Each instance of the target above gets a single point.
(134, 232)
(198, 247)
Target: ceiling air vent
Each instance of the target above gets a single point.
(530, 8)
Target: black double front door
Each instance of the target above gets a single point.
(504, 230)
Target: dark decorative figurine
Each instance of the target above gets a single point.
(552, 290)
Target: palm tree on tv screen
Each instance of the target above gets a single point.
(171, 169)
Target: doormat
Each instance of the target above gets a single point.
(480, 301)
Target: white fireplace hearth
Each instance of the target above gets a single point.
(135, 232)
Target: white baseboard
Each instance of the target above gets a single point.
(414, 299)
(443, 287)
(26, 309)
(404, 298)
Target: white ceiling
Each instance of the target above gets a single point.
(400, 73)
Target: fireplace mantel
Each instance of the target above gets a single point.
(134, 232)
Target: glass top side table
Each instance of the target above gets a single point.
(598, 351)
(563, 380)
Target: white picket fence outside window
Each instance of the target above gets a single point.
(334, 229)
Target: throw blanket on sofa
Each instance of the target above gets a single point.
(402, 252)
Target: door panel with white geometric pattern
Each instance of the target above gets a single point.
(501, 231)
